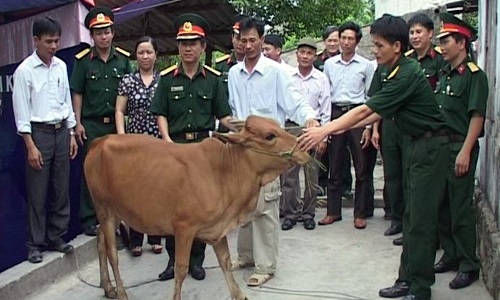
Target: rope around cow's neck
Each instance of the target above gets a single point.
(287, 154)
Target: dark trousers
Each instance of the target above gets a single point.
(425, 160)
(336, 152)
(136, 239)
(48, 189)
(457, 214)
(371, 154)
(94, 128)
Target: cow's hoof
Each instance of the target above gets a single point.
(111, 294)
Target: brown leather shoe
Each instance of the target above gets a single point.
(329, 220)
(359, 223)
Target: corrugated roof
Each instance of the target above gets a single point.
(158, 23)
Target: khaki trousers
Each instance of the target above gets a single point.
(258, 238)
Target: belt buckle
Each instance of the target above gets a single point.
(190, 136)
(106, 120)
(58, 125)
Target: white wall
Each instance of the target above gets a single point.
(401, 7)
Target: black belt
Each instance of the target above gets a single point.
(345, 108)
(48, 126)
(433, 133)
(190, 136)
(104, 120)
(456, 138)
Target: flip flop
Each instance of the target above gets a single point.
(258, 279)
(137, 251)
(240, 265)
(157, 249)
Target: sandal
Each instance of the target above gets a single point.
(137, 251)
(258, 279)
(238, 264)
(156, 248)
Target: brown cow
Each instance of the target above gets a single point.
(200, 190)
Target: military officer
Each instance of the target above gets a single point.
(462, 94)
(188, 99)
(331, 40)
(94, 84)
(404, 95)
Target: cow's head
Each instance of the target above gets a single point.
(268, 141)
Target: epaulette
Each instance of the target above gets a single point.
(409, 52)
(212, 70)
(82, 53)
(168, 70)
(438, 49)
(222, 58)
(320, 52)
(473, 67)
(126, 53)
(393, 73)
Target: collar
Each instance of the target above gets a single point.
(261, 65)
(156, 75)
(460, 69)
(180, 71)
(94, 54)
(312, 74)
(431, 53)
(37, 61)
(325, 56)
(338, 58)
(395, 68)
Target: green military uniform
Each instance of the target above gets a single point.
(223, 64)
(462, 91)
(405, 96)
(190, 106)
(321, 57)
(97, 81)
(431, 63)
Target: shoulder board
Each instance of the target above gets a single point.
(393, 73)
(82, 53)
(409, 52)
(168, 70)
(222, 58)
(126, 53)
(437, 49)
(320, 52)
(473, 67)
(212, 70)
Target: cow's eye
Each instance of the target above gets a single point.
(271, 137)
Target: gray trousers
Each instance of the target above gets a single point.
(48, 189)
(291, 205)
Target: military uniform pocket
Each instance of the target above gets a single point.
(177, 104)
(205, 102)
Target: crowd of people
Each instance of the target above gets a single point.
(421, 105)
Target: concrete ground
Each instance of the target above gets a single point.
(331, 262)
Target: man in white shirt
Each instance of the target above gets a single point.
(272, 48)
(259, 86)
(350, 76)
(314, 86)
(44, 118)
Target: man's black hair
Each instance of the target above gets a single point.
(329, 30)
(421, 19)
(252, 23)
(351, 26)
(392, 29)
(46, 26)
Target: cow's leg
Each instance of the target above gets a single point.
(183, 245)
(109, 231)
(109, 290)
(222, 251)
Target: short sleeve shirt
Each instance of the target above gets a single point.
(404, 95)
(139, 97)
(461, 92)
(190, 105)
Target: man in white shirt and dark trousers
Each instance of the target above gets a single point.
(45, 120)
(259, 86)
(350, 76)
(315, 88)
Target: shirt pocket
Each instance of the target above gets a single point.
(452, 100)
(205, 102)
(177, 105)
(272, 191)
(261, 107)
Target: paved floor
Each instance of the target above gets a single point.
(331, 262)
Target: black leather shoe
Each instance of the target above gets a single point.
(35, 256)
(62, 247)
(90, 230)
(309, 224)
(398, 241)
(197, 272)
(393, 229)
(442, 267)
(464, 279)
(167, 274)
(288, 224)
(399, 289)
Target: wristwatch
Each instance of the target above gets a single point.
(72, 132)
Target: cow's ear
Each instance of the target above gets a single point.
(233, 138)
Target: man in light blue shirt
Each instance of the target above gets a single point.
(350, 76)
(259, 86)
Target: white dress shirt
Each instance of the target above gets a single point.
(267, 91)
(349, 81)
(315, 88)
(41, 93)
